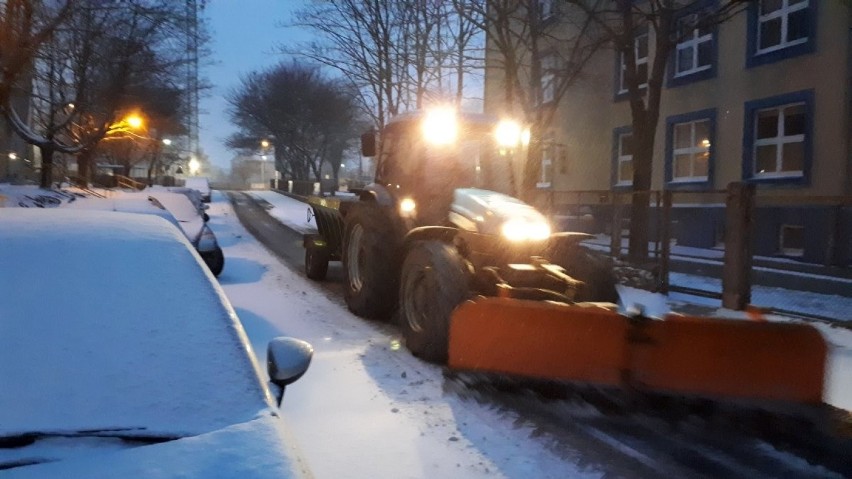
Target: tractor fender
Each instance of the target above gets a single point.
(444, 234)
(376, 193)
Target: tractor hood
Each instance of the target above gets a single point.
(489, 212)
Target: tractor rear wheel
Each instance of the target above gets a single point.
(370, 262)
(435, 279)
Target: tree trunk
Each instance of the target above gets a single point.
(640, 209)
(46, 165)
(84, 166)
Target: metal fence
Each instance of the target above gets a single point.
(751, 246)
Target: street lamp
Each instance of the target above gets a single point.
(194, 166)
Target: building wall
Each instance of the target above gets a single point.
(590, 114)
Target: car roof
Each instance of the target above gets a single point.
(111, 321)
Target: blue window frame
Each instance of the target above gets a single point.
(778, 139)
(780, 29)
(696, 54)
(641, 51)
(621, 171)
(690, 150)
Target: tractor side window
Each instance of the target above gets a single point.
(387, 166)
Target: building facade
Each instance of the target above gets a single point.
(762, 98)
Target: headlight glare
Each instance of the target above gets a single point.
(525, 230)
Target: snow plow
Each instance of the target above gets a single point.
(476, 279)
(690, 356)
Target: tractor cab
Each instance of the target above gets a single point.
(424, 157)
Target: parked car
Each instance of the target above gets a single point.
(191, 193)
(120, 357)
(201, 184)
(194, 225)
(173, 207)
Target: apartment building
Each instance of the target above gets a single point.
(762, 98)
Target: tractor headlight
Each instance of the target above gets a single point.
(508, 134)
(407, 207)
(440, 126)
(525, 230)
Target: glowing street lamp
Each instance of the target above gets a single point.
(134, 121)
(167, 141)
(194, 166)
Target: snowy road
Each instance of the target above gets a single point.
(367, 408)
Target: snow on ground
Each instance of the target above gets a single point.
(839, 384)
(366, 407)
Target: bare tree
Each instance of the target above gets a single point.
(83, 75)
(621, 22)
(538, 60)
(397, 55)
(24, 26)
(308, 118)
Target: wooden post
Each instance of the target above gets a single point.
(736, 274)
(666, 234)
(615, 237)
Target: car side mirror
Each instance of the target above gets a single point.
(206, 217)
(368, 144)
(287, 359)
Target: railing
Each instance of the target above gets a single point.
(125, 182)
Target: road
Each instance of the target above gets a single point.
(620, 435)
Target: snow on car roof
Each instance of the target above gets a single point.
(111, 321)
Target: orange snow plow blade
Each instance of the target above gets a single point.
(693, 356)
(538, 339)
(732, 358)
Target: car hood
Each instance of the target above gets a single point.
(259, 448)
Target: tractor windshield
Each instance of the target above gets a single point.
(410, 162)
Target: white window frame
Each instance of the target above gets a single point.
(784, 13)
(622, 88)
(622, 158)
(547, 153)
(694, 151)
(779, 141)
(691, 43)
(549, 65)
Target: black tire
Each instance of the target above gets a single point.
(316, 263)
(370, 262)
(215, 261)
(435, 279)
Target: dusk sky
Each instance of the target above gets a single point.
(245, 36)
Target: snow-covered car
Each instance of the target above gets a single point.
(120, 356)
(201, 184)
(191, 193)
(173, 207)
(194, 225)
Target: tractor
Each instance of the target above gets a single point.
(477, 280)
(439, 226)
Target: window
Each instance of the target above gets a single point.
(623, 157)
(547, 153)
(694, 52)
(792, 240)
(640, 50)
(689, 147)
(549, 64)
(778, 133)
(780, 29)
(545, 9)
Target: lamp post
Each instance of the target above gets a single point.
(264, 145)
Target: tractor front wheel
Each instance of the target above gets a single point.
(435, 279)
